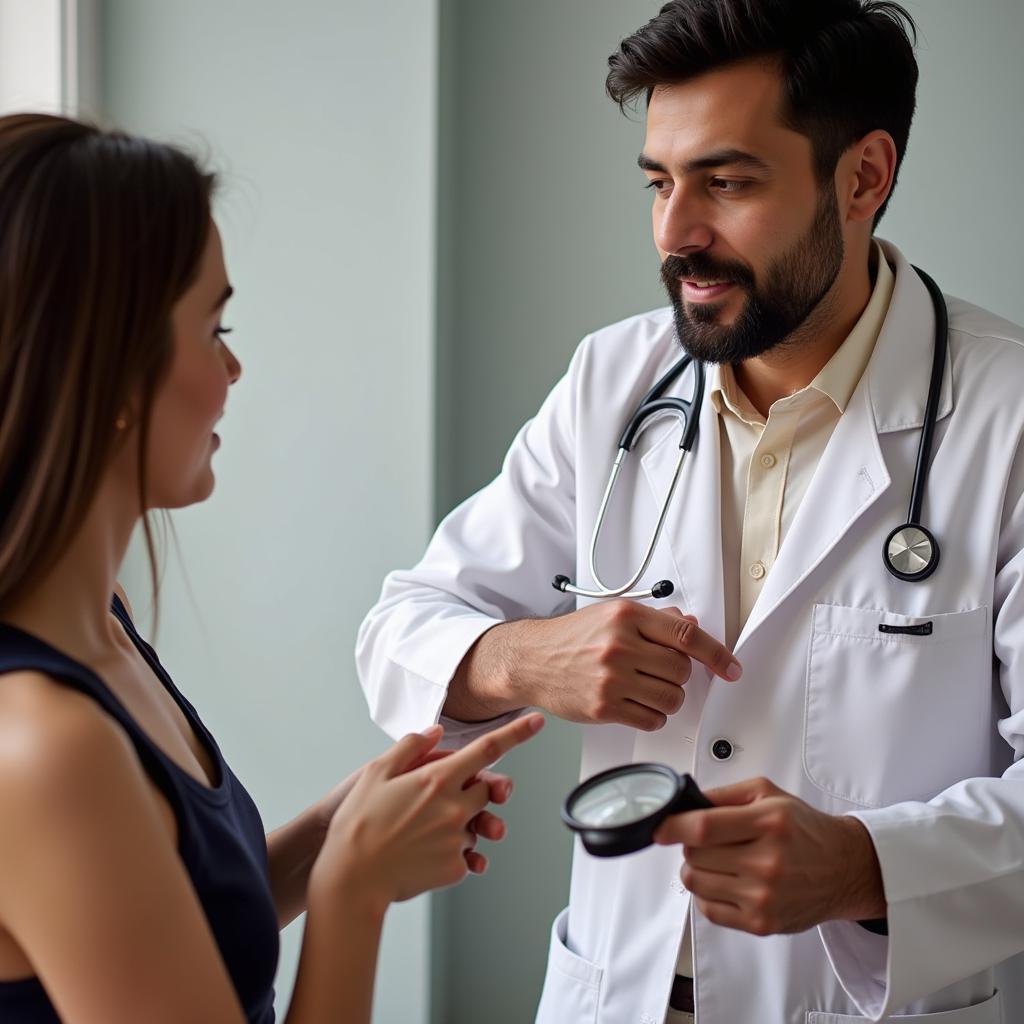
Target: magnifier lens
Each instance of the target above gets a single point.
(623, 799)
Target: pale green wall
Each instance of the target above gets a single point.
(320, 116)
(545, 235)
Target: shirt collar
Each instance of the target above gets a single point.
(839, 377)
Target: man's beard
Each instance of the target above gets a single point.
(794, 285)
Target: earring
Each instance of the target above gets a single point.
(121, 422)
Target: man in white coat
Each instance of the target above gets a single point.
(859, 734)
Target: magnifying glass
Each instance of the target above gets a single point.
(618, 810)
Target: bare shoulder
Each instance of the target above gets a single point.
(55, 745)
(92, 888)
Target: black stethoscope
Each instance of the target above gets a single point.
(910, 552)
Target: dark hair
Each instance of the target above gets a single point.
(848, 66)
(100, 234)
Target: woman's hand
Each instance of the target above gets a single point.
(410, 818)
(485, 824)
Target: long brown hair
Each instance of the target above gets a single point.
(100, 234)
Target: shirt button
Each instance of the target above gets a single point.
(767, 460)
(757, 571)
(721, 749)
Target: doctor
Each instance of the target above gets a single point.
(860, 733)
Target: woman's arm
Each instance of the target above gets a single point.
(292, 849)
(93, 891)
(403, 829)
(91, 885)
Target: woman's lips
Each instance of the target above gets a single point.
(704, 291)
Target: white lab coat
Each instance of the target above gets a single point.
(920, 737)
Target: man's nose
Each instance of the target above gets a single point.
(680, 227)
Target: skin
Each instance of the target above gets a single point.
(94, 899)
(765, 861)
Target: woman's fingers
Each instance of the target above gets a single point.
(475, 798)
(500, 786)
(483, 752)
(410, 751)
(488, 826)
(476, 862)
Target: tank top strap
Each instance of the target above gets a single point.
(21, 652)
(186, 706)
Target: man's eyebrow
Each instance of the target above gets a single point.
(225, 295)
(719, 158)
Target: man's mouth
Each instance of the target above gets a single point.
(705, 290)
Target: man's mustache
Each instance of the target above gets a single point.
(700, 267)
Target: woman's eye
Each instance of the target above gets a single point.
(221, 331)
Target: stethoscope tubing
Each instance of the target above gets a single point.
(654, 403)
(931, 413)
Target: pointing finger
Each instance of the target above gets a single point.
(681, 633)
(482, 752)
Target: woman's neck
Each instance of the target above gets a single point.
(69, 607)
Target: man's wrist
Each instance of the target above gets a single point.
(489, 681)
(863, 891)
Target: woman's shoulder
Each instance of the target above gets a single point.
(55, 741)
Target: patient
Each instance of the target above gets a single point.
(136, 882)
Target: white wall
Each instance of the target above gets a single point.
(30, 55)
(320, 116)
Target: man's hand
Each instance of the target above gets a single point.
(615, 661)
(764, 862)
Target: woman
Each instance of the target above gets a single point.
(135, 879)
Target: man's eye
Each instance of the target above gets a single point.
(658, 184)
(728, 186)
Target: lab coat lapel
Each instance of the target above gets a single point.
(850, 478)
(692, 533)
(852, 474)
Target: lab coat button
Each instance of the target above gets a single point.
(721, 749)
(767, 460)
(757, 570)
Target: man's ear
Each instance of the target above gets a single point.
(865, 174)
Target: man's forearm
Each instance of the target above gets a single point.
(491, 679)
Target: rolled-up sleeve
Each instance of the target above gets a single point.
(490, 561)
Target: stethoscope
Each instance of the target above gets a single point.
(910, 552)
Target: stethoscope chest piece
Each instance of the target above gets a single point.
(911, 553)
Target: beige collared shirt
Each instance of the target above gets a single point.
(767, 465)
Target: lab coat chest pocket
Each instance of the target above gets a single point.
(897, 713)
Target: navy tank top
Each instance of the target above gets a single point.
(221, 840)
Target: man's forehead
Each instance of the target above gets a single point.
(735, 108)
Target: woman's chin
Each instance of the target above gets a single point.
(199, 491)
